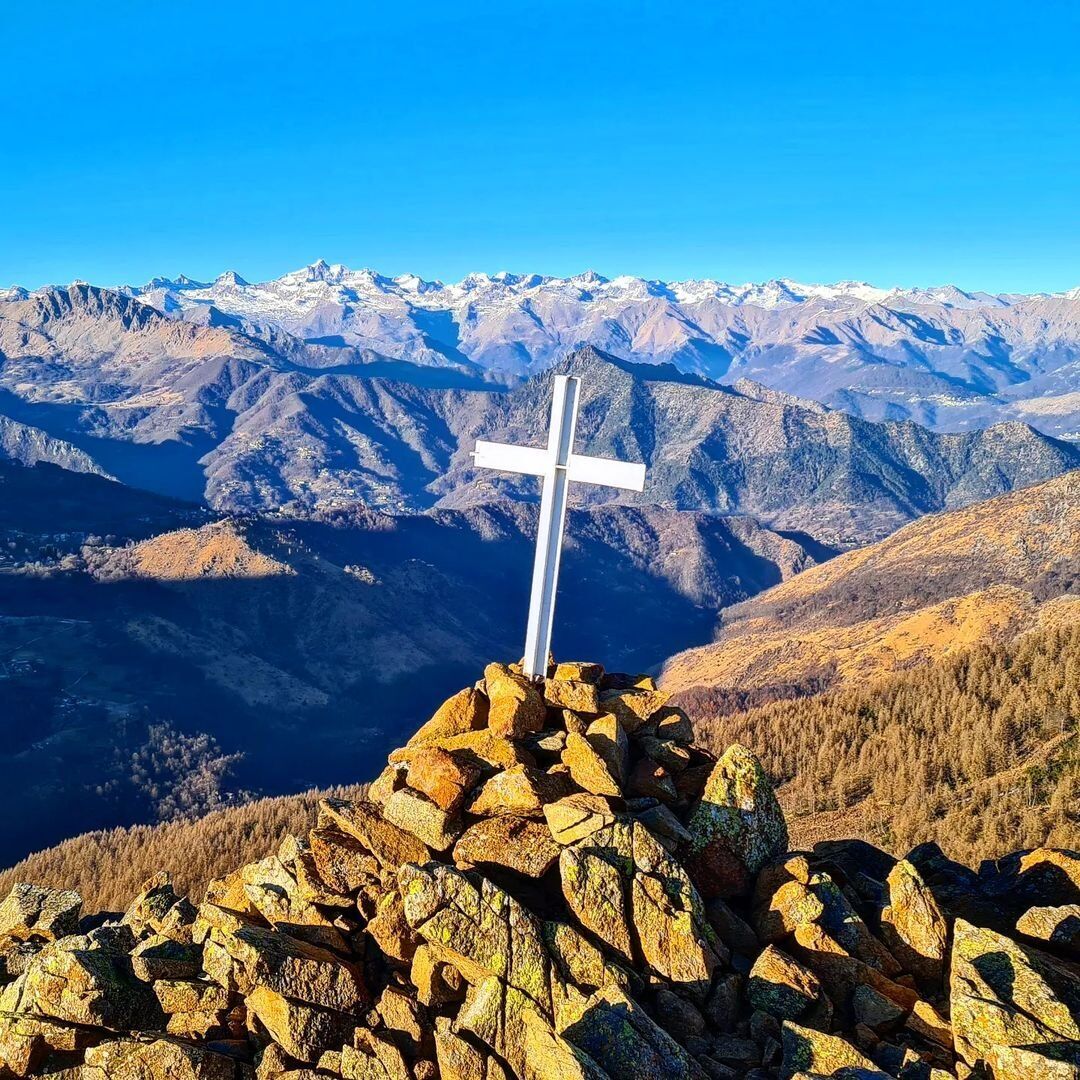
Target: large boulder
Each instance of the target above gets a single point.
(913, 924)
(29, 911)
(162, 1059)
(72, 980)
(816, 1053)
(623, 1040)
(1006, 995)
(242, 955)
(624, 887)
(737, 826)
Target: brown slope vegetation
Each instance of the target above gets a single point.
(979, 751)
(984, 573)
(108, 867)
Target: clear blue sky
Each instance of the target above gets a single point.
(901, 143)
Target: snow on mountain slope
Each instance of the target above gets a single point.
(945, 357)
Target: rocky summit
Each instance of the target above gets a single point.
(549, 881)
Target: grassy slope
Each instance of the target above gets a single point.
(937, 587)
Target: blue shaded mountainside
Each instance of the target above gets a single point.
(144, 641)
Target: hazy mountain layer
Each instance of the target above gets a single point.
(262, 422)
(945, 357)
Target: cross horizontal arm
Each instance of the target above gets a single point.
(617, 474)
(516, 459)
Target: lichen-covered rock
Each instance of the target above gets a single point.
(664, 825)
(623, 1040)
(520, 790)
(29, 911)
(517, 707)
(480, 929)
(32, 1045)
(488, 749)
(595, 892)
(1060, 926)
(417, 814)
(548, 1056)
(607, 737)
(1007, 995)
(737, 826)
(460, 1059)
(342, 861)
(272, 890)
(162, 1059)
(389, 929)
(159, 910)
(875, 1010)
(73, 981)
(303, 1031)
(809, 899)
(158, 957)
(588, 768)
(374, 1057)
(445, 779)
(190, 995)
(913, 924)
(436, 982)
(1021, 1063)
(466, 711)
(253, 956)
(779, 985)
(517, 843)
(811, 1051)
(624, 887)
(577, 671)
(575, 694)
(391, 846)
(576, 816)
(633, 707)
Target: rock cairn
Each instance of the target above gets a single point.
(550, 882)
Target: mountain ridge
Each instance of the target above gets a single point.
(949, 358)
(986, 572)
(246, 423)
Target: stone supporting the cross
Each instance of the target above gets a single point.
(559, 466)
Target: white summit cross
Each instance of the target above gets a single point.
(558, 465)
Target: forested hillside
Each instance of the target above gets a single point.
(108, 866)
(979, 752)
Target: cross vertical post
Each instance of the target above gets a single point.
(549, 536)
(558, 466)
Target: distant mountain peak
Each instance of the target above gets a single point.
(231, 279)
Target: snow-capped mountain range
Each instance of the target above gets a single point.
(295, 295)
(948, 358)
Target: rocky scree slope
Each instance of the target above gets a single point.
(549, 882)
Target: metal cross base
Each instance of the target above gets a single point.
(558, 465)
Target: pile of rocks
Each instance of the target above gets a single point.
(550, 882)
